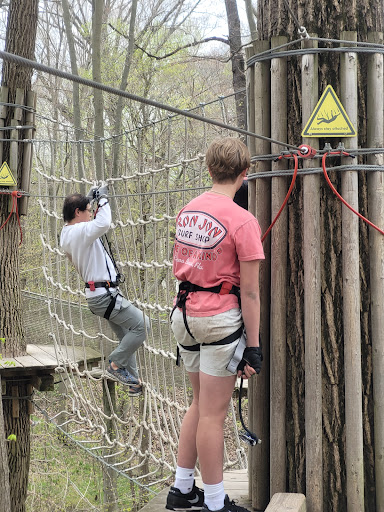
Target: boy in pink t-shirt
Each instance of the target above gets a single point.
(216, 258)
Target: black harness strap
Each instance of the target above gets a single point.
(110, 308)
(185, 288)
(102, 284)
(196, 348)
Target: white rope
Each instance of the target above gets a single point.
(138, 435)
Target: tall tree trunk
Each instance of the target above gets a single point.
(5, 501)
(76, 90)
(237, 60)
(20, 40)
(326, 19)
(98, 102)
(123, 85)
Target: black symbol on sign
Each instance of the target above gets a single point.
(328, 120)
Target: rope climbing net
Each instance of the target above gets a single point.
(161, 168)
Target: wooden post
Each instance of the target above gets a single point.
(27, 153)
(279, 248)
(109, 475)
(312, 295)
(250, 86)
(351, 294)
(375, 138)
(3, 115)
(14, 144)
(260, 206)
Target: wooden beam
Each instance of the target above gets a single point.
(351, 293)
(27, 153)
(375, 139)
(279, 250)
(260, 206)
(312, 294)
(15, 401)
(287, 502)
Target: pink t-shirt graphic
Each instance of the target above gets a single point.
(212, 235)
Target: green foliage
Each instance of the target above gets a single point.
(12, 437)
(63, 477)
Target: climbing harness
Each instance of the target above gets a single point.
(185, 288)
(92, 285)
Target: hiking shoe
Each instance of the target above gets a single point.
(193, 500)
(229, 506)
(132, 379)
(121, 375)
(135, 388)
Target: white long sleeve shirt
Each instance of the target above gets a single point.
(82, 245)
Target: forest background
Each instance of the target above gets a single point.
(180, 52)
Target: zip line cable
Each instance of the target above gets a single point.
(16, 59)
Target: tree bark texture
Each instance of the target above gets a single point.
(98, 100)
(17, 422)
(326, 19)
(5, 501)
(237, 60)
(20, 39)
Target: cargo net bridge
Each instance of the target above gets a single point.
(161, 167)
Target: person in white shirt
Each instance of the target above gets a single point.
(82, 243)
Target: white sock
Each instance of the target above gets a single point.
(184, 479)
(214, 496)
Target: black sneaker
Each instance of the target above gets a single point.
(193, 500)
(229, 506)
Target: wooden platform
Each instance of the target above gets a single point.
(235, 484)
(42, 360)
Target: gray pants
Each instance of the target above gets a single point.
(128, 324)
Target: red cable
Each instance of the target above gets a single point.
(286, 197)
(339, 196)
(15, 196)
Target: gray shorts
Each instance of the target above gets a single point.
(211, 360)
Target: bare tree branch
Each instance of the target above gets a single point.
(189, 45)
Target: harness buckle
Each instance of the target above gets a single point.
(92, 285)
(225, 288)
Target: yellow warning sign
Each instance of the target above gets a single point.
(6, 176)
(329, 119)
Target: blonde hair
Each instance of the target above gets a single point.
(226, 158)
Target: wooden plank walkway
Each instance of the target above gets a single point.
(42, 359)
(235, 484)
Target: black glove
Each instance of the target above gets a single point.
(92, 193)
(102, 191)
(253, 357)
